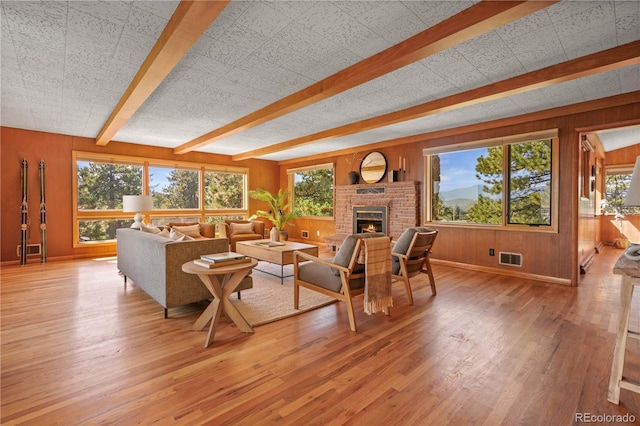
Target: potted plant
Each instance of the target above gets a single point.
(353, 175)
(279, 210)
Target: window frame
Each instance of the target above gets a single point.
(504, 142)
(616, 170)
(291, 186)
(199, 213)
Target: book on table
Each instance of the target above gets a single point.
(226, 256)
(210, 265)
(270, 244)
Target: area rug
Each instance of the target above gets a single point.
(270, 301)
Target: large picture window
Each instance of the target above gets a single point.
(174, 188)
(102, 181)
(224, 190)
(498, 184)
(313, 190)
(99, 190)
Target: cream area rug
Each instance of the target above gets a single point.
(270, 301)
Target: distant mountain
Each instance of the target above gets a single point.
(462, 197)
(469, 193)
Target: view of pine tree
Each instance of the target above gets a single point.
(485, 210)
(180, 193)
(616, 187)
(490, 171)
(530, 183)
(101, 187)
(223, 190)
(314, 192)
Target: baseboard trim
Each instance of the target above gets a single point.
(536, 277)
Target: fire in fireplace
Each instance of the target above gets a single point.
(369, 219)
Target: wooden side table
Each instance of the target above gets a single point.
(221, 282)
(630, 271)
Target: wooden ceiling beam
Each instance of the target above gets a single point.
(476, 20)
(188, 22)
(438, 135)
(606, 60)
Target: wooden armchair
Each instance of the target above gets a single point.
(341, 277)
(241, 230)
(410, 257)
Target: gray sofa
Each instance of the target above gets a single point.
(154, 263)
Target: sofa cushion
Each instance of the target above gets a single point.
(152, 229)
(241, 228)
(178, 236)
(190, 230)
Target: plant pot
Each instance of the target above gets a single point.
(284, 235)
(353, 178)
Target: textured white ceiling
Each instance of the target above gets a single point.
(65, 66)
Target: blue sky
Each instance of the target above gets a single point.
(457, 169)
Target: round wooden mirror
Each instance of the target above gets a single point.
(373, 167)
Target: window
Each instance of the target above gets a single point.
(313, 190)
(101, 184)
(102, 180)
(99, 190)
(224, 190)
(530, 183)
(503, 183)
(174, 188)
(617, 182)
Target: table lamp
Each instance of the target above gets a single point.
(138, 204)
(633, 200)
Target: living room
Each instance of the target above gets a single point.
(48, 119)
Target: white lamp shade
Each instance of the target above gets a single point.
(137, 203)
(633, 193)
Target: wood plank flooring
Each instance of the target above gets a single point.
(78, 347)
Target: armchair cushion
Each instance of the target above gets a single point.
(228, 227)
(241, 228)
(402, 245)
(320, 275)
(346, 250)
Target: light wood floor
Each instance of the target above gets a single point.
(80, 348)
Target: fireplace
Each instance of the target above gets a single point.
(369, 219)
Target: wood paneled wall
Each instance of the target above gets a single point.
(545, 255)
(552, 256)
(55, 150)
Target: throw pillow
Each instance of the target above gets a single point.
(152, 229)
(241, 228)
(179, 236)
(164, 233)
(191, 230)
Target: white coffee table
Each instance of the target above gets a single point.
(279, 255)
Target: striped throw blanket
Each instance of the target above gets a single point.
(377, 287)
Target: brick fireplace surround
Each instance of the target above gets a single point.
(402, 200)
